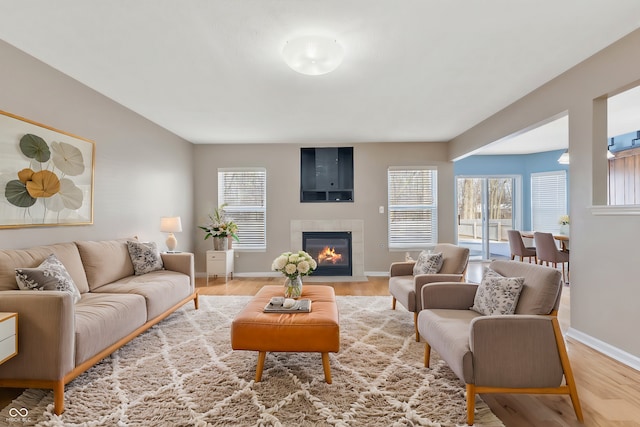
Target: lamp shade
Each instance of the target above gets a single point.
(313, 55)
(170, 224)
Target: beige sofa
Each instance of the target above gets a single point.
(59, 339)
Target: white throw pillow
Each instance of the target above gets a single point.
(145, 257)
(497, 294)
(50, 275)
(428, 263)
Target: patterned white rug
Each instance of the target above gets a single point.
(183, 372)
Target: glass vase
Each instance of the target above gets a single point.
(220, 243)
(293, 287)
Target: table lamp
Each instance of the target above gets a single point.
(171, 224)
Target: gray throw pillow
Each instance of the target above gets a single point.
(50, 275)
(144, 256)
(428, 263)
(497, 294)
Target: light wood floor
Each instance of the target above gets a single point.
(609, 391)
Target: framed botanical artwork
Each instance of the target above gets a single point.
(46, 175)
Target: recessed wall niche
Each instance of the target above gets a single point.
(326, 174)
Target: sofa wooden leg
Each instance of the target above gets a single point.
(260, 366)
(58, 397)
(196, 302)
(471, 403)
(393, 303)
(427, 354)
(415, 325)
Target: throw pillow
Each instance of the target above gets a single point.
(497, 294)
(50, 275)
(428, 263)
(145, 257)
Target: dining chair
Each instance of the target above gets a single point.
(519, 249)
(549, 253)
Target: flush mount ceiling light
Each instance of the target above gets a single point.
(313, 55)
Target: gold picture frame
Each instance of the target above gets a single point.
(46, 175)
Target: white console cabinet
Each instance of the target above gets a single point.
(8, 336)
(220, 263)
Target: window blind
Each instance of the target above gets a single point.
(548, 200)
(244, 191)
(412, 207)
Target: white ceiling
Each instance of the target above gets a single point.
(211, 71)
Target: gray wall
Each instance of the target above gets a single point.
(142, 171)
(282, 162)
(604, 240)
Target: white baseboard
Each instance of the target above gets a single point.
(276, 274)
(604, 348)
(377, 273)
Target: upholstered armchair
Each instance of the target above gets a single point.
(523, 352)
(405, 288)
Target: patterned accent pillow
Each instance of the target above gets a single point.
(144, 256)
(428, 263)
(50, 275)
(497, 294)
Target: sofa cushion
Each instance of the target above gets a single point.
(50, 275)
(103, 319)
(497, 294)
(67, 253)
(448, 332)
(160, 289)
(403, 288)
(145, 257)
(105, 261)
(428, 263)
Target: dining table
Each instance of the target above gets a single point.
(563, 239)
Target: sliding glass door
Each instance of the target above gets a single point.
(485, 214)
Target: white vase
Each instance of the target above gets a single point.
(293, 287)
(564, 229)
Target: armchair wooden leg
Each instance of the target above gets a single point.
(196, 302)
(427, 354)
(415, 325)
(58, 397)
(566, 367)
(471, 403)
(393, 303)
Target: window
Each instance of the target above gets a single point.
(413, 207)
(548, 200)
(244, 191)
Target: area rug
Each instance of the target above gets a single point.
(183, 372)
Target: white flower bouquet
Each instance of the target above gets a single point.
(564, 219)
(293, 264)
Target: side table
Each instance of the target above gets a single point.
(220, 263)
(8, 336)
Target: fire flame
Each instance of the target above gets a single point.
(328, 254)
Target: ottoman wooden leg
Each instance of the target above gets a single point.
(260, 367)
(327, 367)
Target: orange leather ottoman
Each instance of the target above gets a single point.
(317, 331)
